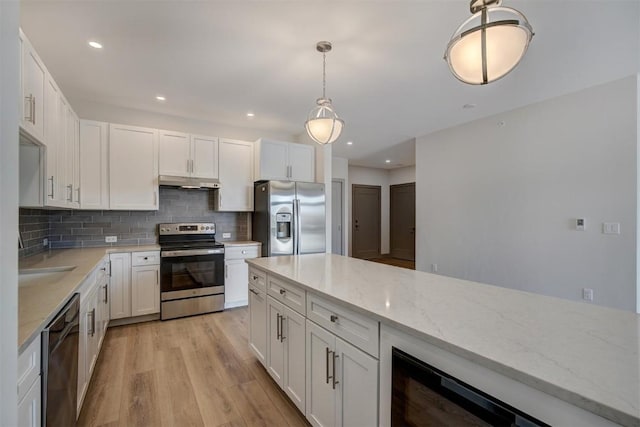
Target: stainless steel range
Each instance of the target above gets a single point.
(191, 270)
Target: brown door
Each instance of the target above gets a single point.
(365, 224)
(403, 221)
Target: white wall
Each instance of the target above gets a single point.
(109, 113)
(402, 175)
(340, 171)
(496, 204)
(9, 102)
(372, 176)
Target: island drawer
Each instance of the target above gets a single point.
(28, 367)
(355, 328)
(288, 294)
(258, 278)
(145, 258)
(241, 252)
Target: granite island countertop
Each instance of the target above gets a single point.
(42, 299)
(584, 354)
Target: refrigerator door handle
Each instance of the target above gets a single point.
(298, 229)
(295, 226)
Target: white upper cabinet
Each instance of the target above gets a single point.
(33, 75)
(175, 153)
(277, 160)
(204, 156)
(133, 168)
(94, 175)
(54, 182)
(236, 176)
(187, 155)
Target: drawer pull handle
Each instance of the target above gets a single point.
(146, 258)
(244, 252)
(254, 277)
(334, 318)
(282, 291)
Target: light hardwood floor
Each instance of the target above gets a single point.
(196, 371)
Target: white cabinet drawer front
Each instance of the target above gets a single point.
(288, 294)
(145, 258)
(29, 367)
(241, 252)
(354, 328)
(258, 278)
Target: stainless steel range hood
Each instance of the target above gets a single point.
(185, 182)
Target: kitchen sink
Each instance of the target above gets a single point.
(32, 276)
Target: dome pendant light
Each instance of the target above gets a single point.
(323, 124)
(485, 51)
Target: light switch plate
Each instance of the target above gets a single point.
(110, 239)
(611, 227)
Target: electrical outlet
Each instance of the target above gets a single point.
(611, 227)
(226, 235)
(110, 239)
(587, 294)
(434, 268)
(45, 242)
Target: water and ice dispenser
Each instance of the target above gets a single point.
(283, 226)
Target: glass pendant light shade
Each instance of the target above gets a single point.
(488, 45)
(323, 124)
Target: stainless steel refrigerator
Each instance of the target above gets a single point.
(289, 217)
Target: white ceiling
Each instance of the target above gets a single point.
(217, 60)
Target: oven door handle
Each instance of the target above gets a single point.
(191, 252)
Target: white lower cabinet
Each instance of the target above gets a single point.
(330, 380)
(30, 407)
(342, 381)
(236, 272)
(145, 290)
(257, 323)
(135, 284)
(30, 385)
(120, 285)
(286, 350)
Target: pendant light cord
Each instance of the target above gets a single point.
(324, 74)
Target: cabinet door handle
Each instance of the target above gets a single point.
(335, 358)
(226, 272)
(282, 337)
(92, 313)
(33, 114)
(327, 351)
(70, 196)
(334, 318)
(78, 194)
(278, 326)
(106, 294)
(253, 291)
(52, 186)
(28, 99)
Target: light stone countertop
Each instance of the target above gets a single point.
(584, 354)
(240, 243)
(42, 299)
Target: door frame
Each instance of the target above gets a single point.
(353, 210)
(391, 216)
(342, 215)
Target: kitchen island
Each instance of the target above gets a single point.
(584, 356)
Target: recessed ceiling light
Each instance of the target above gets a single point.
(161, 98)
(250, 114)
(387, 161)
(94, 44)
(349, 142)
(468, 106)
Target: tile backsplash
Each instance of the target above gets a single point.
(78, 228)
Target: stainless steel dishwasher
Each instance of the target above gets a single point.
(60, 367)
